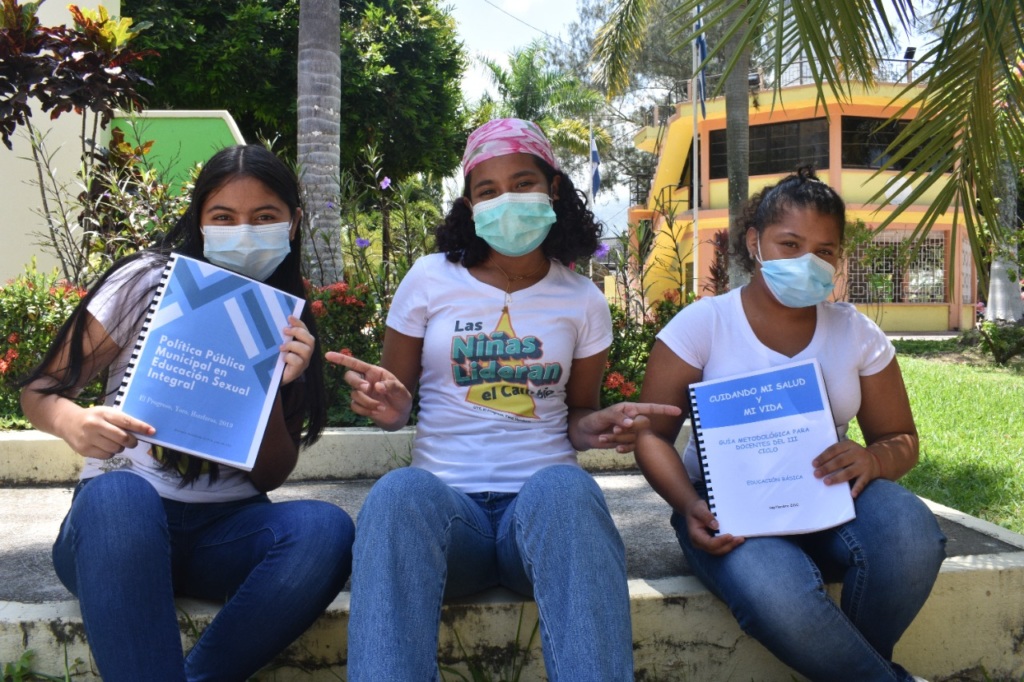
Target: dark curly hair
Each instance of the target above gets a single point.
(576, 233)
(802, 189)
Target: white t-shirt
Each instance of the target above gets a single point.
(492, 406)
(120, 308)
(714, 335)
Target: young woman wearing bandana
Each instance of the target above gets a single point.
(507, 347)
(888, 556)
(147, 524)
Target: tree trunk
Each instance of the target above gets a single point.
(319, 137)
(1004, 301)
(737, 121)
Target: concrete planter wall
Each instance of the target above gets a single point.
(34, 458)
(970, 629)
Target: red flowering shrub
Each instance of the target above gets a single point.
(632, 340)
(32, 308)
(344, 316)
(617, 388)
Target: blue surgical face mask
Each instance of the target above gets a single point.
(797, 282)
(253, 251)
(514, 224)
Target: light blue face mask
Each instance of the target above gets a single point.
(514, 224)
(797, 282)
(251, 251)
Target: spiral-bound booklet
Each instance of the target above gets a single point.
(757, 434)
(207, 364)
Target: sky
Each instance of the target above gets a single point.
(494, 28)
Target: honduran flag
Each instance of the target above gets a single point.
(702, 54)
(595, 167)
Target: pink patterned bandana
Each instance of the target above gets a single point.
(506, 136)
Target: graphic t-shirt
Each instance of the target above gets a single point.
(714, 335)
(492, 389)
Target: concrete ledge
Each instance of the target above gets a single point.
(34, 458)
(971, 629)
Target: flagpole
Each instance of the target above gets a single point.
(590, 185)
(590, 165)
(695, 167)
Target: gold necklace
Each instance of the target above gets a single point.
(514, 278)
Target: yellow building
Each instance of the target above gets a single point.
(933, 290)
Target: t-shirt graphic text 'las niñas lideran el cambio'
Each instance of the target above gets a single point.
(492, 389)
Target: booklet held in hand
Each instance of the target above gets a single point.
(207, 364)
(757, 434)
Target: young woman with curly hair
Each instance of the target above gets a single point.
(507, 346)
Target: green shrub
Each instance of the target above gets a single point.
(1002, 340)
(631, 346)
(32, 308)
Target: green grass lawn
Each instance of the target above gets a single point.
(970, 418)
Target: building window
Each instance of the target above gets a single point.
(888, 270)
(866, 139)
(776, 148)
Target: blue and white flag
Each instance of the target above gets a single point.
(702, 53)
(595, 167)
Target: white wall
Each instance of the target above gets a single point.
(19, 194)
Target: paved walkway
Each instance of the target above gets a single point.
(30, 519)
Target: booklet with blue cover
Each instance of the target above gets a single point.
(757, 434)
(207, 364)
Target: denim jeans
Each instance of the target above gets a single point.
(126, 553)
(887, 558)
(420, 540)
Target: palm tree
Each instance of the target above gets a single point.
(319, 136)
(529, 88)
(968, 91)
(619, 41)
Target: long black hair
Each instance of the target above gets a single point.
(799, 190)
(242, 161)
(576, 233)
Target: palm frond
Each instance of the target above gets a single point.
(966, 123)
(618, 42)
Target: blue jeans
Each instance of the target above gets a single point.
(126, 553)
(421, 540)
(887, 558)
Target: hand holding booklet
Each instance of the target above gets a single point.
(207, 364)
(756, 435)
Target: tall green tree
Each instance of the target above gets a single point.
(620, 40)
(319, 136)
(1004, 288)
(1004, 276)
(401, 94)
(660, 65)
(402, 63)
(529, 87)
(660, 73)
(238, 55)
